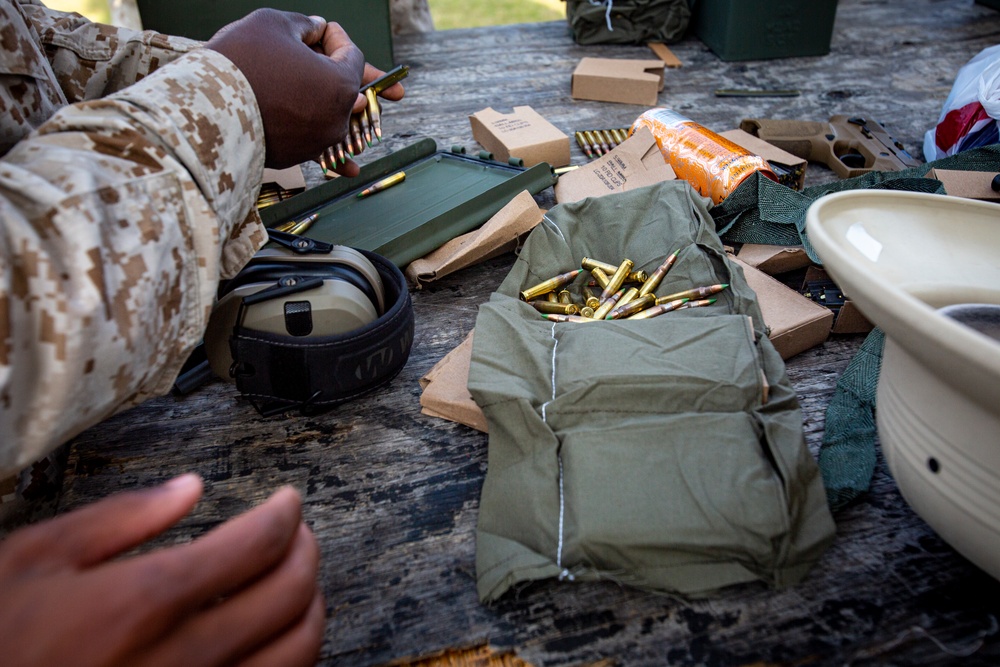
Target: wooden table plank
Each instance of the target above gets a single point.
(393, 494)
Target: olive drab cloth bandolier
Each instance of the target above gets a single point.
(666, 453)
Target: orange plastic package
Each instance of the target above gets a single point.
(713, 164)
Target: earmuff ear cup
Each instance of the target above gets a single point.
(349, 296)
(313, 373)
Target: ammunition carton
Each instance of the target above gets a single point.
(794, 323)
(635, 163)
(523, 134)
(968, 184)
(774, 259)
(618, 80)
(791, 170)
(847, 318)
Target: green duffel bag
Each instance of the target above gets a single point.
(665, 453)
(627, 21)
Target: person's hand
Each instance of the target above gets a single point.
(305, 74)
(246, 591)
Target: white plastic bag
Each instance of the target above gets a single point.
(971, 114)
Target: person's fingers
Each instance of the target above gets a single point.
(300, 645)
(252, 617)
(156, 591)
(350, 168)
(393, 92)
(337, 45)
(101, 530)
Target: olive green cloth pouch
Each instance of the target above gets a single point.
(627, 21)
(664, 453)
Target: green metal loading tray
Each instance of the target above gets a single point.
(445, 194)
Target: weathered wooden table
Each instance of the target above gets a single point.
(393, 494)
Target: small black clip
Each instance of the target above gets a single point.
(302, 245)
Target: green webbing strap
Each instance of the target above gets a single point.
(762, 211)
(847, 456)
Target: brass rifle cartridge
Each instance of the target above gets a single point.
(620, 135)
(659, 309)
(629, 295)
(297, 226)
(357, 137)
(608, 305)
(587, 311)
(617, 279)
(589, 298)
(550, 285)
(565, 296)
(696, 293)
(594, 143)
(582, 141)
(698, 304)
(609, 139)
(590, 264)
(600, 277)
(545, 306)
(566, 318)
(553, 297)
(632, 307)
(374, 115)
(386, 182)
(650, 285)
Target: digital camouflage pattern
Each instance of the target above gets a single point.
(130, 162)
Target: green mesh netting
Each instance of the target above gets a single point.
(762, 211)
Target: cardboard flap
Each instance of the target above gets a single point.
(634, 163)
(497, 235)
(445, 389)
(774, 259)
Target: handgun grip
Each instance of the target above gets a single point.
(804, 139)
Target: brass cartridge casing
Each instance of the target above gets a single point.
(659, 309)
(550, 285)
(608, 305)
(600, 277)
(590, 264)
(632, 307)
(694, 293)
(582, 141)
(551, 296)
(589, 298)
(565, 296)
(698, 304)
(558, 308)
(650, 285)
(587, 311)
(617, 279)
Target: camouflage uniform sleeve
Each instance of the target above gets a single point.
(91, 60)
(118, 218)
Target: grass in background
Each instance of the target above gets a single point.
(95, 10)
(449, 14)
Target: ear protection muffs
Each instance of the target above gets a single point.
(311, 331)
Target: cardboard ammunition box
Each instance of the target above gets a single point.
(848, 319)
(968, 184)
(618, 80)
(761, 29)
(790, 169)
(524, 134)
(774, 259)
(794, 323)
